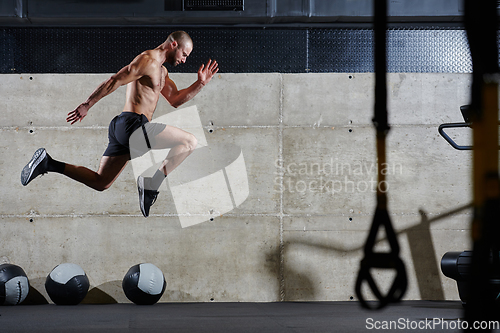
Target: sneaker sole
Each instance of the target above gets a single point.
(140, 188)
(27, 172)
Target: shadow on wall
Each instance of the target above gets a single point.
(298, 286)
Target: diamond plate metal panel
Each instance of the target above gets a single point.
(8, 46)
(408, 50)
(251, 50)
(245, 50)
(104, 50)
(428, 51)
(340, 50)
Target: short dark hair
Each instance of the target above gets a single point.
(180, 37)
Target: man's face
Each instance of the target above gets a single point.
(179, 54)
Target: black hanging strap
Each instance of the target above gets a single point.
(391, 259)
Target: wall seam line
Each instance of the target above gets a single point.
(280, 175)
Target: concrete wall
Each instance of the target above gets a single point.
(309, 151)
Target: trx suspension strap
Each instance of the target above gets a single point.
(381, 260)
(483, 302)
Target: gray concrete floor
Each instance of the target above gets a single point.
(419, 316)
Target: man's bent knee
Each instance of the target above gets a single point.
(102, 184)
(101, 187)
(191, 142)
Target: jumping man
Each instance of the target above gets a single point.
(146, 78)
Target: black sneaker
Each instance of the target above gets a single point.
(146, 197)
(36, 167)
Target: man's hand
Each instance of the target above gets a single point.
(78, 114)
(178, 97)
(206, 73)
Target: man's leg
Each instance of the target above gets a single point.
(109, 169)
(181, 144)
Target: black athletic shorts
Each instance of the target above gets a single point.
(123, 126)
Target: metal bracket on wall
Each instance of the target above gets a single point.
(464, 109)
(450, 140)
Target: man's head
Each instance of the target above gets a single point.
(180, 46)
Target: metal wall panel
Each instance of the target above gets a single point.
(103, 50)
(13, 9)
(8, 8)
(256, 12)
(408, 51)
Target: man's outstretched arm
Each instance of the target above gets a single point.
(178, 97)
(133, 71)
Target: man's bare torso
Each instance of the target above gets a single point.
(143, 94)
